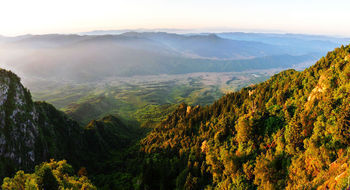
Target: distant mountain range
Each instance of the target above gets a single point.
(94, 57)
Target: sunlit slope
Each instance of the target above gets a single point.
(288, 132)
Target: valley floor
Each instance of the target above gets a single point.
(141, 98)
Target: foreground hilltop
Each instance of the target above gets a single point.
(292, 131)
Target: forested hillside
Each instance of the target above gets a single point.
(33, 132)
(291, 132)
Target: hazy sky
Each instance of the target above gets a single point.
(70, 16)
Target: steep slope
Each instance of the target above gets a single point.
(33, 132)
(18, 121)
(106, 135)
(283, 133)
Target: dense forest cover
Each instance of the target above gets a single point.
(290, 132)
(50, 175)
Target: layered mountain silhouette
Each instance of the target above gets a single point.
(96, 57)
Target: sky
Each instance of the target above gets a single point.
(18, 17)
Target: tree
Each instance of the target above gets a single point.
(48, 175)
(45, 178)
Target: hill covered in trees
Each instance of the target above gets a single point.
(291, 132)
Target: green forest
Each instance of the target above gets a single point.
(289, 132)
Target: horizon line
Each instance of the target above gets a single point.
(179, 31)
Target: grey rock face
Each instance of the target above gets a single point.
(18, 122)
